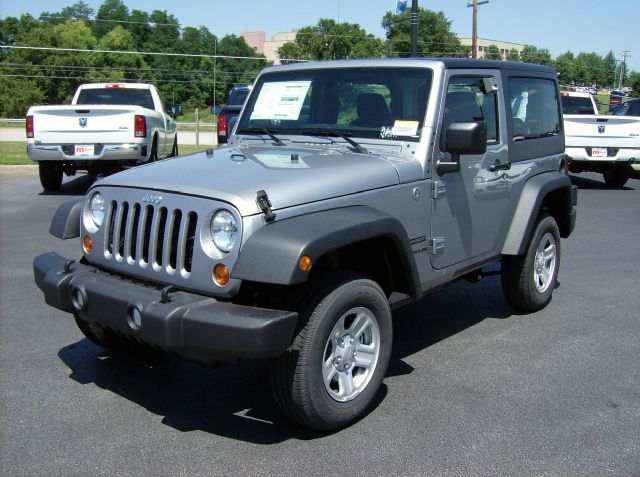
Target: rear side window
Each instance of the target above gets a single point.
(535, 112)
(116, 96)
(238, 97)
(466, 101)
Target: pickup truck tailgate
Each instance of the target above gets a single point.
(602, 131)
(86, 124)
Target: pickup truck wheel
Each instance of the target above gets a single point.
(334, 368)
(153, 157)
(174, 149)
(528, 280)
(616, 177)
(50, 175)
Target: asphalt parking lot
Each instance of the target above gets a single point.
(472, 388)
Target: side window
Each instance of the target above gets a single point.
(535, 112)
(467, 101)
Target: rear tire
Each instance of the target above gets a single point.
(153, 157)
(174, 150)
(617, 176)
(335, 366)
(528, 280)
(50, 175)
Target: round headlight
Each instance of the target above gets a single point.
(224, 230)
(96, 208)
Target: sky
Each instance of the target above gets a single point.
(558, 25)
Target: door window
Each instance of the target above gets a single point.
(467, 101)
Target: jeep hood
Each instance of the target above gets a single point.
(235, 174)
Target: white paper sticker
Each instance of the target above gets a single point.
(405, 128)
(281, 161)
(281, 100)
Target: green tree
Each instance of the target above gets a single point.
(532, 54)
(492, 52)
(633, 80)
(435, 37)
(514, 55)
(609, 65)
(329, 40)
(117, 67)
(565, 65)
(109, 13)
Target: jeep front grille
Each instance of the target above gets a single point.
(151, 236)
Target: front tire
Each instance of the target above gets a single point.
(50, 175)
(528, 280)
(335, 366)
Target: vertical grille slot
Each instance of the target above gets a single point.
(188, 241)
(160, 236)
(132, 233)
(146, 233)
(176, 222)
(113, 210)
(120, 231)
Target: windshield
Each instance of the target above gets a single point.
(116, 96)
(382, 103)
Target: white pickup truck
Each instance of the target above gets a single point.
(106, 127)
(609, 145)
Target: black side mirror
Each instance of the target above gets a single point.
(462, 138)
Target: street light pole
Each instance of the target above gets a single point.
(474, 39)
(414, 28)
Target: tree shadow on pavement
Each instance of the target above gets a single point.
(235, 401)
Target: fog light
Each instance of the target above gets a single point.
(87, 244)
(305, 263)
(78, 299)
(134, 318)
(221, 274)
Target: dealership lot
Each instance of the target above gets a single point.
(472, 389)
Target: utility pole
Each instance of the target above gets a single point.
(414, 28)
(474, 39)
(625, 55)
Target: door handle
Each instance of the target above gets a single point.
(497, 166)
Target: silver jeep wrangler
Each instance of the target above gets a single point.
(347, 188)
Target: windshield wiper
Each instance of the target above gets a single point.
(335, 132)
(268, 132)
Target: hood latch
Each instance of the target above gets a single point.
(264, 204)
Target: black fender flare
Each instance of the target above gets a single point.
(531, 199)
(66, 220)
(272, 253)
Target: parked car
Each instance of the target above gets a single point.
(628, 108)
(615, 100)
(348, 189)
(106, 127)
(230, 111)
(578, 103)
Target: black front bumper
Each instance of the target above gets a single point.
(193, 326)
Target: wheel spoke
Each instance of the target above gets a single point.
(544, 276)
(345, 381)
(366, 356)
(549, 252)
(359, 325)
(328, 370)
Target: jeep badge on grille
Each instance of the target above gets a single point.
(152, 199)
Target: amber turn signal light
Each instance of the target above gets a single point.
(305, 263)
(87, 244)
(221, 274)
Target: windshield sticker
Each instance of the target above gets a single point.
(386, 133)
(281, 100)
(405, 128)
(281, 161)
